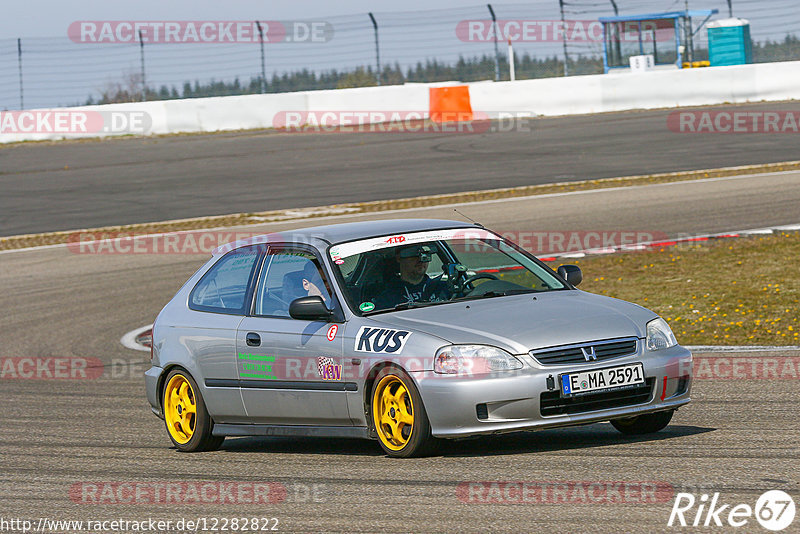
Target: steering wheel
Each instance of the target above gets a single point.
(462, 287)
(479, 276)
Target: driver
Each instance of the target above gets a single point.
(412, 284)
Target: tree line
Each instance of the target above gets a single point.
(432, 70)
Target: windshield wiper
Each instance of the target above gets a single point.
(490, 294)
(402, 306)
(412, 304)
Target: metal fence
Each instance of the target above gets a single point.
(350, 50)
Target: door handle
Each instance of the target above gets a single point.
(253, 339)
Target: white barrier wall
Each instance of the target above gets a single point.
(648, 90)
(229, 112)
(235, 112)
(408, 97)
(546, 97)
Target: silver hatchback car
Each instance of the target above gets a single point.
(404, 331)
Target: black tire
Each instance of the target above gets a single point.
(188, 432)
(395, 441)
(643, 424)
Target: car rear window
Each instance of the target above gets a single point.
(223, 289)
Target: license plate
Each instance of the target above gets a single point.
(600, 379)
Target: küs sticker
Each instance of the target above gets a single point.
(381, 340)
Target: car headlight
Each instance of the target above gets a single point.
(473, 359)
(659, 335)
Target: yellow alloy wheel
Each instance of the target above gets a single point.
(393, 412)
(180, 408)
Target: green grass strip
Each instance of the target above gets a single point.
(742, 291)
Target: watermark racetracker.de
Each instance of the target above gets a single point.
(51, 368)
(75, 122)
(548, 242)
(195, 492)
(760, 367)
(564, 492)
(734, 122)
(184, 242)
(402, 121)
(200, 31)
(557, 31)
(69, 368)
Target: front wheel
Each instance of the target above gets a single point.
(188, 424)
(643, 424)
(398, 415)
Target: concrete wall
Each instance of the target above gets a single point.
(650, 90)
(545, 97)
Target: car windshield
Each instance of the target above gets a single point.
(435, 267)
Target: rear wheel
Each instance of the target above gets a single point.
(398, 415)
(188, 424)
(643, 424)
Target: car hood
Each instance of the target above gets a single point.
(519, 323)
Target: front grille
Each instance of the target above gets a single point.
(551, 402)
(570, 354)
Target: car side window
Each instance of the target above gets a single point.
(289, 274)
(223, 289)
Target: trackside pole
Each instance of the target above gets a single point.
(263, 70)
(564, 35)
(377, 47)
(19, 64)
(141, 59)
(496, 51)
(511, 73)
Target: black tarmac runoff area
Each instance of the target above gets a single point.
(72, 185)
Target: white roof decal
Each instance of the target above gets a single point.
(345, 250)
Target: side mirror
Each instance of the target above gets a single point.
(310, 309)
(571, 273)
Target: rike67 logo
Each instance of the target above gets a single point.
(774, 510)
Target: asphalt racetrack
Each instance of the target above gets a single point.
(68, 446)
(64, 186)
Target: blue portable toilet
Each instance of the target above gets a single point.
(729, 42)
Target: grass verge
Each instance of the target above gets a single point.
(726, 292)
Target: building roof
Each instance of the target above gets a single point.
(664, 15)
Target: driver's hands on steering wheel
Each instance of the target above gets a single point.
(455, 272)
(459, 282)
(478, 276)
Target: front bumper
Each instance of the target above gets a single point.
(511, 401)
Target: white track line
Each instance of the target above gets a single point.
(129, 339)
(644, 245)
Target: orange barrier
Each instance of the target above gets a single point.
(696, 64)
(450, 104)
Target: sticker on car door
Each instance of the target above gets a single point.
(381, 340)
